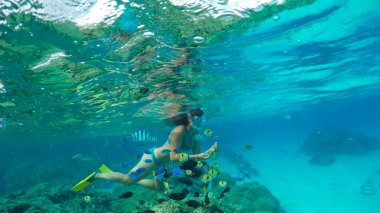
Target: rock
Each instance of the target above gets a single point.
(325, 144)
(322, 160)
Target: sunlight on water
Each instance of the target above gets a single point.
(76, 65)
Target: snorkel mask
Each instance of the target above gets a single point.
(198, 121)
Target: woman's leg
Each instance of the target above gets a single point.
(151, 184)
(126, 178)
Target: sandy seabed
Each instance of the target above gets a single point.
(303, 188)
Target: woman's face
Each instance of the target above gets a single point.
(196, 121)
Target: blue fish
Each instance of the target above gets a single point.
(176, 150)
(123, 165)
(160, 170)
(148, 161)
(177, 171)
(148, 152)
(160, 176)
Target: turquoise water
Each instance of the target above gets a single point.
(75, 76)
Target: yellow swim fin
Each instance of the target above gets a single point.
(83, 183)
(104, 169)
(88, 180)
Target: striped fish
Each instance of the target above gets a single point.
(199, 137)
(142, 136)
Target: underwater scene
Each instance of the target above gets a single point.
(262, 106)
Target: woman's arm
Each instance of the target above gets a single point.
(203, 155)
(176, 137)
(196, 148)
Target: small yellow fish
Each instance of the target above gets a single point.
(208, 133)
(189, 172)
(199, 164)
(183, 157)
(222, 184)
(206, 178)
(215, 165)
(166, 185)
(213, 173)
(87, 199)
(212, 155)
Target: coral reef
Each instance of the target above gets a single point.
(323, 146)
(45, 197)
(25, 174)
(251, 197)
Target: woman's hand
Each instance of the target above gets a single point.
(203, 156)
(213, 147)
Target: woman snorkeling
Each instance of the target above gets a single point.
(181, 139)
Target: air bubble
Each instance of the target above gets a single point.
(148, 34)
(199, 39)
(276, 17)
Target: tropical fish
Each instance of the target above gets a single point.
(222, 183)
(227, 189)
(177, 171)
(148, 152)
(200, 164)
(212, 154)
(213, 173)
(190, 164)
(189, 172)
(193, 204)
(207, 200)
(206, 178)
(200, 137)
(208, 133)
(126, 195)
(215, 165)
(87, 199)
(160, 176)
(178, 196)
(166, 185)
(142, 136)
(183, 157)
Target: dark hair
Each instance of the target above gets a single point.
(182, 119)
